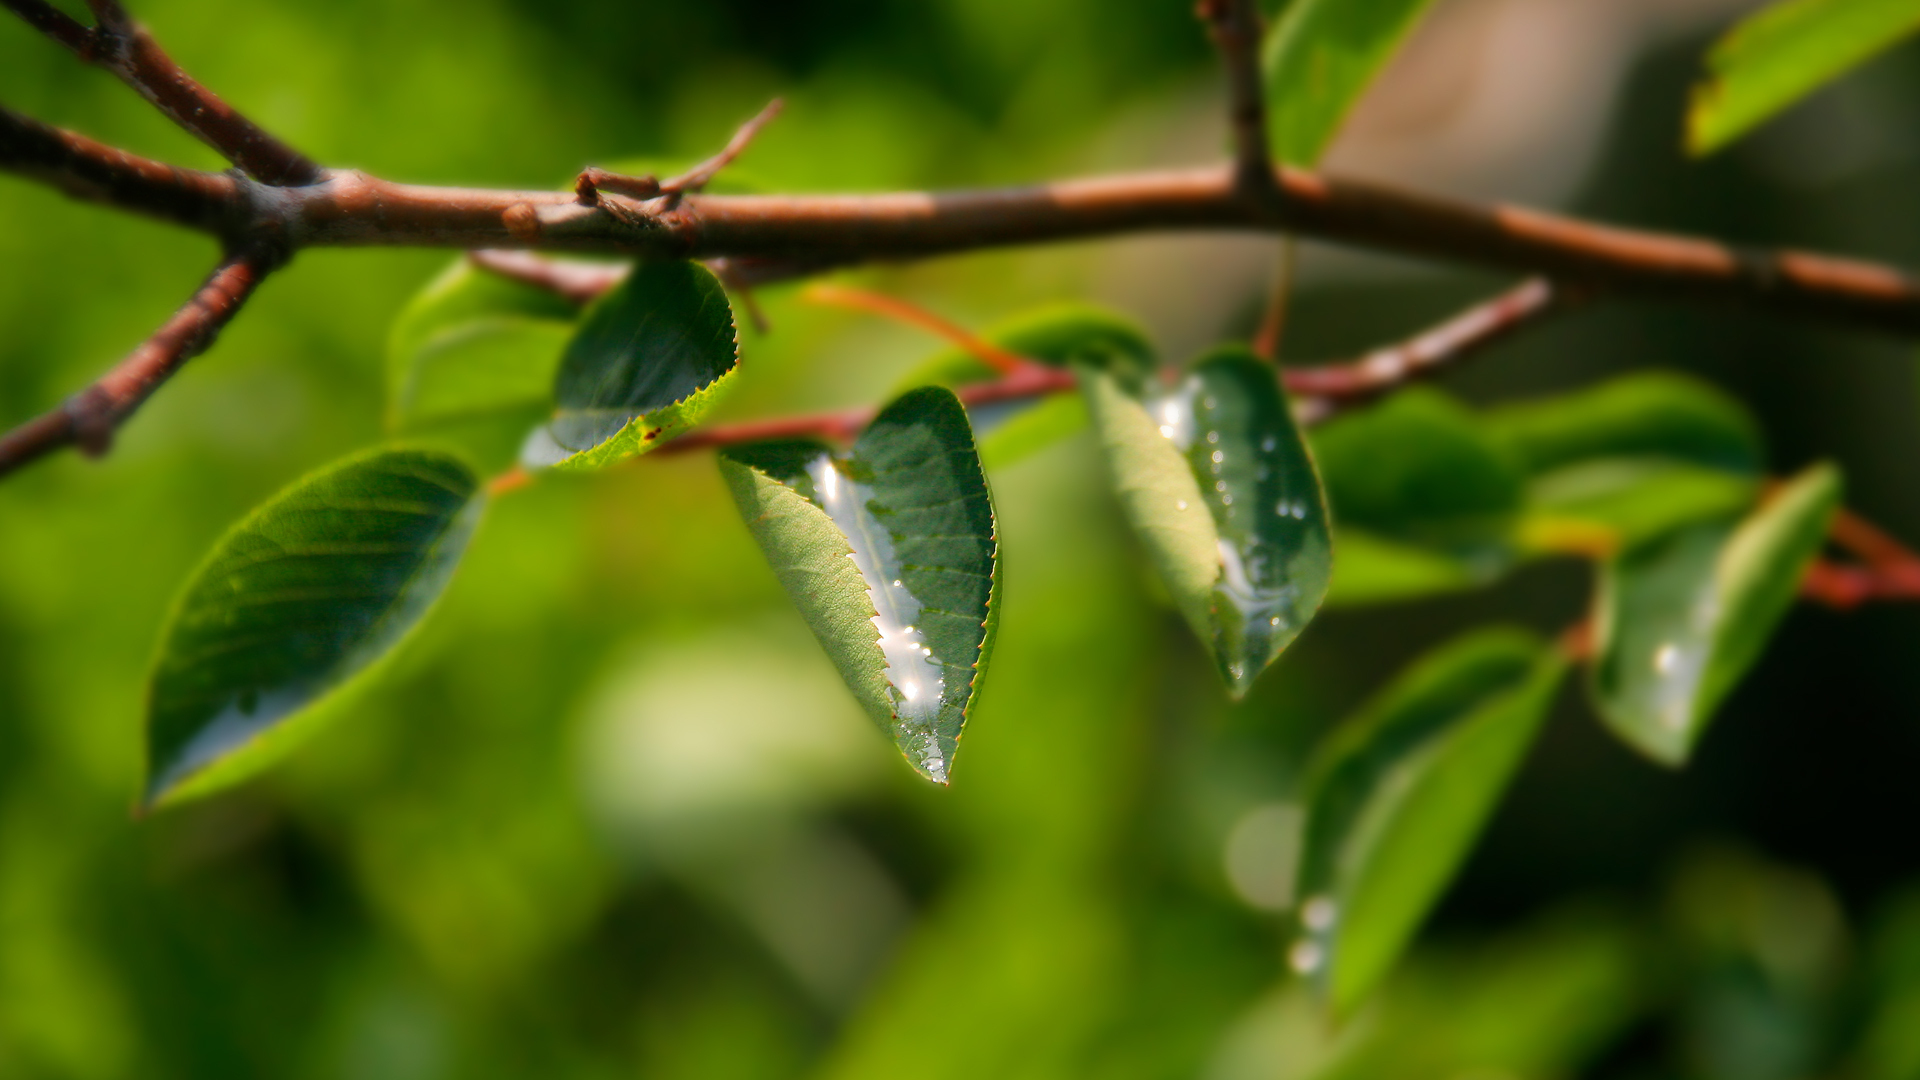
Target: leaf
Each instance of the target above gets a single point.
(307, 593)
(1651, 415)
(1633, 500)
(471, 360)
(1371, 570)
(1216, 480)
(890, 554)
(1782, 54)
(1397, 796)
(1420, 470)
(1060, 335)
(1683, 617)
(1318, 59)
(647, 363)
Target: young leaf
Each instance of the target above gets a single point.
(1060, 335)
(1214, 476)
(1784, 53)
(1397, 796)
(646, 364)
(472, 360)
(1683, 617)
(305, 594)
(1318, 58)
(1420, 470)
(890, 554)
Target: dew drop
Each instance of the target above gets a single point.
(1305, 957)
(1213, 436)
(1267, 444)
(1166, 430)
(1181, 505)
(1219, 457)
(1318, 914)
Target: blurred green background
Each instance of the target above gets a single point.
(613, 815)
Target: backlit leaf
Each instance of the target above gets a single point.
(471, 360)
(1649, 415)
(1318, 59)
(1215, 478)
(1397, 796)
(647, 363)
(1784, 53)
(296, 601)
(890, 554)
(1682, 617)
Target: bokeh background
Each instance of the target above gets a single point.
(612, 815)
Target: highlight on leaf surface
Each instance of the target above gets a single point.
(305, 594)
(471, 361)
(889, 552)
(1215, 478)
(1319, 57)
(1782, 54)
(1397, 796)
(647, 362)
(1683, 617)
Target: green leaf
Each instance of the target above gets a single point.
(471, 360)
(1784, 53)
(1318, 59)
(1371, 570)
(1633, 500)
(1682, 618)
(310, 591)
(889, 552)
(1397, 796)
(1060, 335)
(1217, 481)
(1651, 415)
(1420, 470)
(647, 363)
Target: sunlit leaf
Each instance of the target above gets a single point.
(890, 554)
(297, 600)
(1318, 59)
(1215, 478)
(1784, 53)
(1398, 795)
(471, 360)
(1372, 570)
(1649, 415)
(648, 361)
(1636, 499)
(1682, 617)
(1059, 335)
(1420, 470)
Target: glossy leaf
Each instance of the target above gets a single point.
(1651, 415)
(1217, 481)
(647, 363)
(1421, 471)
(1682, 617)
(1397, 796)
(297, 600)
(1784, 53)
(1318, 59)
(1059, 335)
(471, 360)
(889, 552)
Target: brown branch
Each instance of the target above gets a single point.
(1034, 380)
(1464, 335)
(1234, 26)
(572, 280)
(1843, 587)
(90, 171)
(123, 47)
(593, 179)
(88, 419)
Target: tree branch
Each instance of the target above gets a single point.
(88, 419)
(92, 172)
(123, 47)
(1234, 26)
(573, 280)
(1383, 370)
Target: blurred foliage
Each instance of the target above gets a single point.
(612, 814)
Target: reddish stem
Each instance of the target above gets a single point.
(860, 299)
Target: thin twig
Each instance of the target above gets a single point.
(1273, 322)
(573, 280)
(1386, 369)
(88, 419)
(1035, 380)
(593, 180)
(94, 172)
(1869, 541)
(860, 299)
(1234, 26)
(123, 47)
(1845, 587)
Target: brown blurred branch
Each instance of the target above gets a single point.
(88, 419)
(1235, 28)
